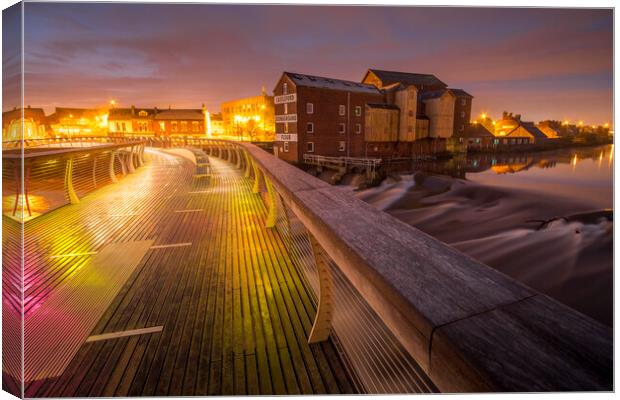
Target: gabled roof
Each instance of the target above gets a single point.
(36, 114)
(407, 78)
(129, 113)
(330, 83)
(459, 92)
(186, 114)
(531, 128)
(476, 130)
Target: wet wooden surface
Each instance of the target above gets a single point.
(234, 311)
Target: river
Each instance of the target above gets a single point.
(538, 217)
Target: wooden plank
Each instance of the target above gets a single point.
(70, 313)
(234, 320)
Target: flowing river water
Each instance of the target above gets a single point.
(544, 218)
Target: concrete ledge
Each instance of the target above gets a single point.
(469, 326)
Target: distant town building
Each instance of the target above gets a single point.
(251, 118)
(510, 130)
(135, 121)
(388, 114)
(550, 130)
(476, 136)
(33, 122)
(217, 124)
(70, 122)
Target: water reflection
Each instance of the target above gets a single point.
(578, 173)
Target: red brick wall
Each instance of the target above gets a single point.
(458, 120)
(327, 119)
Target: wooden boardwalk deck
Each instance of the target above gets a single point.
(234, 314)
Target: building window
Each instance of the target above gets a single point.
(285, 108)
(309, 108)
(477, 140)
(410, 129)
(342, 110)
(162, 126)
(358, 111)
(495, 141)
(124, 127)
(310, 127)
(286, 127)
(174, 126)
(341, 145)
(286, 147)
(195, 126)
(183, 126)
(463, 102)
(462, 128)
(342, 128)
(410, 113)
(285, 88)
(118, 127)
(358, 128)
(462, 114)
(310, 147)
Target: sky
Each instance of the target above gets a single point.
(541, 63)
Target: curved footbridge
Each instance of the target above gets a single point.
(220, 269)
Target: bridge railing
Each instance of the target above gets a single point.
(468, 327)
(37, 179)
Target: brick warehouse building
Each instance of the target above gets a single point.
(316, 115)
(389, 114)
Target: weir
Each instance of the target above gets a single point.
(254, 277)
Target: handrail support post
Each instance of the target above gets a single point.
(322, 326)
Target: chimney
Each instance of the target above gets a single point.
(264, 91)
(133, 110)
(155, 111)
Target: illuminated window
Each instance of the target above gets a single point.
(310, 147)
(143, 113)
(342, 128)
(358, 111)
(286, 127)
(286, 147)
(310, 127)
(342, 110)
(183, 126)
(309, 108)
(358, 128)
(285, 89)
(341, 145)
(195, 126)
(285, 108)
(162, 125)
